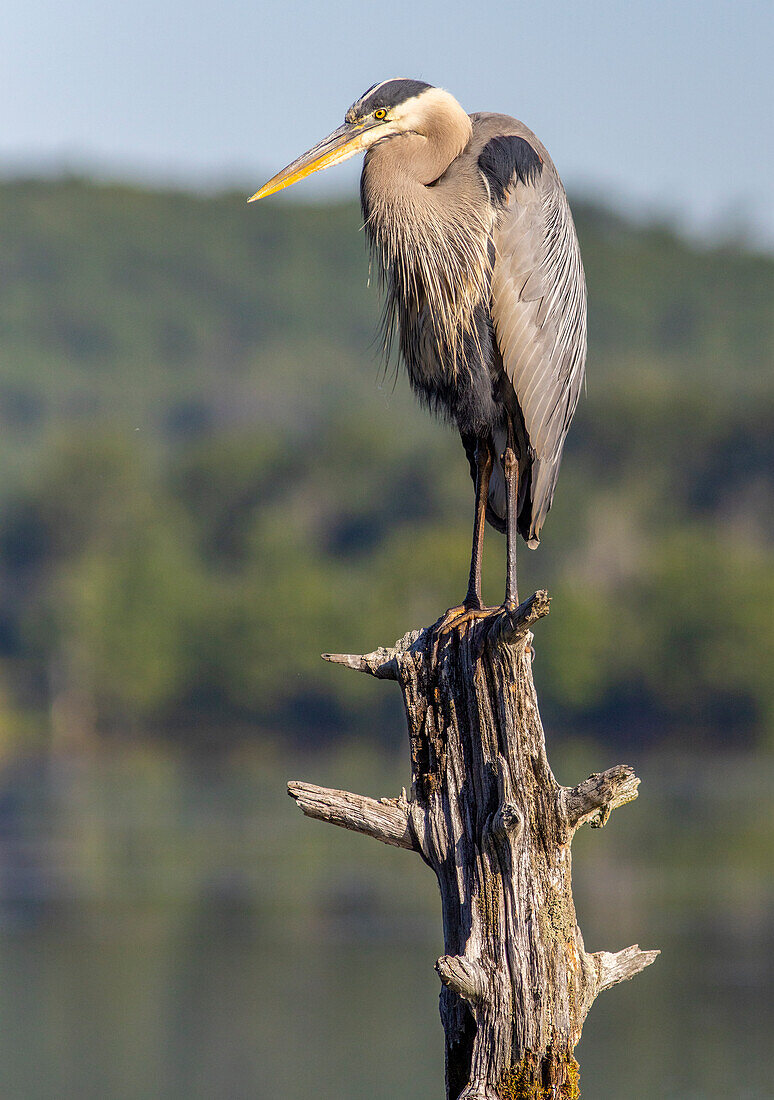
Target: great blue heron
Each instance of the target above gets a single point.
(483, 281)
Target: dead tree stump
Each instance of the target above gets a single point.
(487, 815)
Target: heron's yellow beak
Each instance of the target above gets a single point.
(349, 139)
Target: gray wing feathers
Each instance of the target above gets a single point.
(539, 314)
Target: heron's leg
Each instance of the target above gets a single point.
(472, 608)
(511, 468)
(484, 465)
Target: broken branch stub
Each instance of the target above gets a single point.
(594, 798)
(385, 819)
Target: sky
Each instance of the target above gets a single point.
(662, 109)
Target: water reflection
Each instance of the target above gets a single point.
(182, 932)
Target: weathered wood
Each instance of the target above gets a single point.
(385, 819)
(594, 798)
(381, 663)
(621, 965)
(488, 816)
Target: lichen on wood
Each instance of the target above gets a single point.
(487, 815)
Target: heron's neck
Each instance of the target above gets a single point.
(431, 242)
(408, 163)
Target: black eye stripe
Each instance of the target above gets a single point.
(389, 94)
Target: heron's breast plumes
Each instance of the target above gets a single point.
(435, 267)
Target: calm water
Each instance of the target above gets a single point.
(179, 932)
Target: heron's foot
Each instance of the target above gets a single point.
(457, 618)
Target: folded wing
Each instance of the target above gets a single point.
(538, 306)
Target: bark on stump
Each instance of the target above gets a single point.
(487, 815)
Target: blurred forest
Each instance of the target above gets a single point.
(207, 477)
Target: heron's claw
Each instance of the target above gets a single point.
(457, 618)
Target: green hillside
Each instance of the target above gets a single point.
(207, 477)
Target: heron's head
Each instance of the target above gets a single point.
(386, 110)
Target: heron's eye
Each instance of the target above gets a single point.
(380, 113)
